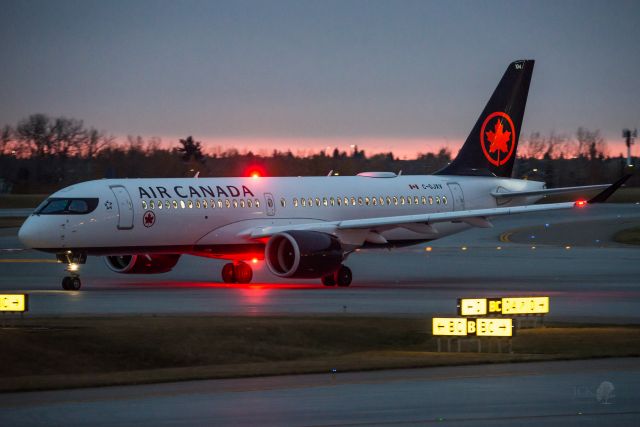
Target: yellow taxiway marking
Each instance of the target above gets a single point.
(506, 237)
(51, 261)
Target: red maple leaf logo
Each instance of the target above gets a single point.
(149, 219)
(498, 138)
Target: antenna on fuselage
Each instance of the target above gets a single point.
(330, 172)
(197, 174)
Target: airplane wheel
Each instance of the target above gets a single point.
(344, 276)
(76, 284)
(329, 280)
(243, 271)
(229, 273)
(70, 283)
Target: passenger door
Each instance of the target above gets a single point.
(125, 207)
(458, 196)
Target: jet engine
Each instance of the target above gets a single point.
(141, 264)
(303, 254)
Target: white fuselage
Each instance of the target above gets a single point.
(185, 215)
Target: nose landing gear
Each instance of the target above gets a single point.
(72, 282)
(239, 272)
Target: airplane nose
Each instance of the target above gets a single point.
(27, 233)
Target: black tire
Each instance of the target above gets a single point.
(344, 276)
(243, 273)
(329, 280)
(75, 284)
(66, 283)
(229, 273)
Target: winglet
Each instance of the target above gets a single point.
(607, 192)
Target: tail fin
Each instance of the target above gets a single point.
(490, 148)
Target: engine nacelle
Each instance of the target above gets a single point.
(141, 264)
(303, 254)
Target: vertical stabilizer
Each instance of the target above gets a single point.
(490, 148)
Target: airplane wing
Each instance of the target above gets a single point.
(473, 217)
(547, 191)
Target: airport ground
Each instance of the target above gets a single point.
(570, 256)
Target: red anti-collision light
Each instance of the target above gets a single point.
(581, 203)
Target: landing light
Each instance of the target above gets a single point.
(73, 267)
(581, 203)
(254, 260)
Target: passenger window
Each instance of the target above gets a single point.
(249, 203)
(374, 201)
(381, 199)
(213, 204)
(416, 200)
(167, 204)
(219, 203)
(227, 203)
(257, 203)
(159, 205)
(402, 200)
(242, 203)
(366, 201)
(437, 200)
(182, 205)
(360, 201)
(175, 204)
(190, 204)
(198, 204)
(424, 200)
(152, 204)
(204, 204)
(303, 201)
(283, 203)
(295, 202)
(338, 201)
(235, 203)
(388, 200)
(317, 201)
(409, 200)
(430, 200)
(444, 199)
(144, 204)
(324, 201)
(310, 202)
(332, 201)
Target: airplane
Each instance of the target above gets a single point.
(303, 227)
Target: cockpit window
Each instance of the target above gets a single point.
(60, 206)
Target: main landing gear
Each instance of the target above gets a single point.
(73, 260)
(239, 272)
(341, 277)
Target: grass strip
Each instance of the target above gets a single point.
(11, 222)
(41, 353)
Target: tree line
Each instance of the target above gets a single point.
(41, 154)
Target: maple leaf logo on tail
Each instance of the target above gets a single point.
(501, 140)
(498, 138)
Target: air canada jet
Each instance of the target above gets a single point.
(303, 227)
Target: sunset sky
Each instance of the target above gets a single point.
(406, 76)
